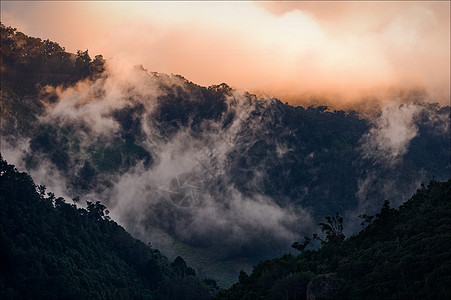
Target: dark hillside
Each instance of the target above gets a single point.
(50, 249)
(404, 253)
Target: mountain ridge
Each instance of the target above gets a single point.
(167, 155)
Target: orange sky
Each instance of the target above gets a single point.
(340, 50)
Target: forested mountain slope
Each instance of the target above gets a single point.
(50, 249)
(404, 253)
(179, 164)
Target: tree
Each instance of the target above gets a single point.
(96, 210)
(366, 219)
(97, 67)
(82, 63)
(333, 229)
(243, 278)
(303, 245)
(41, 191)
(179, 266)
(386, 211)
(83, 57)
(76, 200)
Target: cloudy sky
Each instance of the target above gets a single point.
(293, 49)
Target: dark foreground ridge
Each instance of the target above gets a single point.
(403, 254)
(50, 249)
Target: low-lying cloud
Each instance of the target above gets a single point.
(187, 191)
(391, 134)
(183, 193)
(384, 147)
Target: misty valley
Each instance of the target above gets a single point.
(122, 183)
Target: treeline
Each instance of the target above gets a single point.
(28, 65)
(403, 253)
(50, 249)
(27, 61)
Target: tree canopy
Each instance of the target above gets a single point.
(50, 249)
(404, 253)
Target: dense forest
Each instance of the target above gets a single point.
(179, 164)
(402, 253)
(50, 249)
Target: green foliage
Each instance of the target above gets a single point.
(402, 254)
(53, 250)
(333, 230)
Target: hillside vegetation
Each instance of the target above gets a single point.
(404, 253)
(50, 249)
(180, 164)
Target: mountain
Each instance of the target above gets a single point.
(216, 175)
(53, 250)
(404, 253)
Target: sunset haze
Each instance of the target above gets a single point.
(292, 50)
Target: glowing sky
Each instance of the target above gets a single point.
(286, 49)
